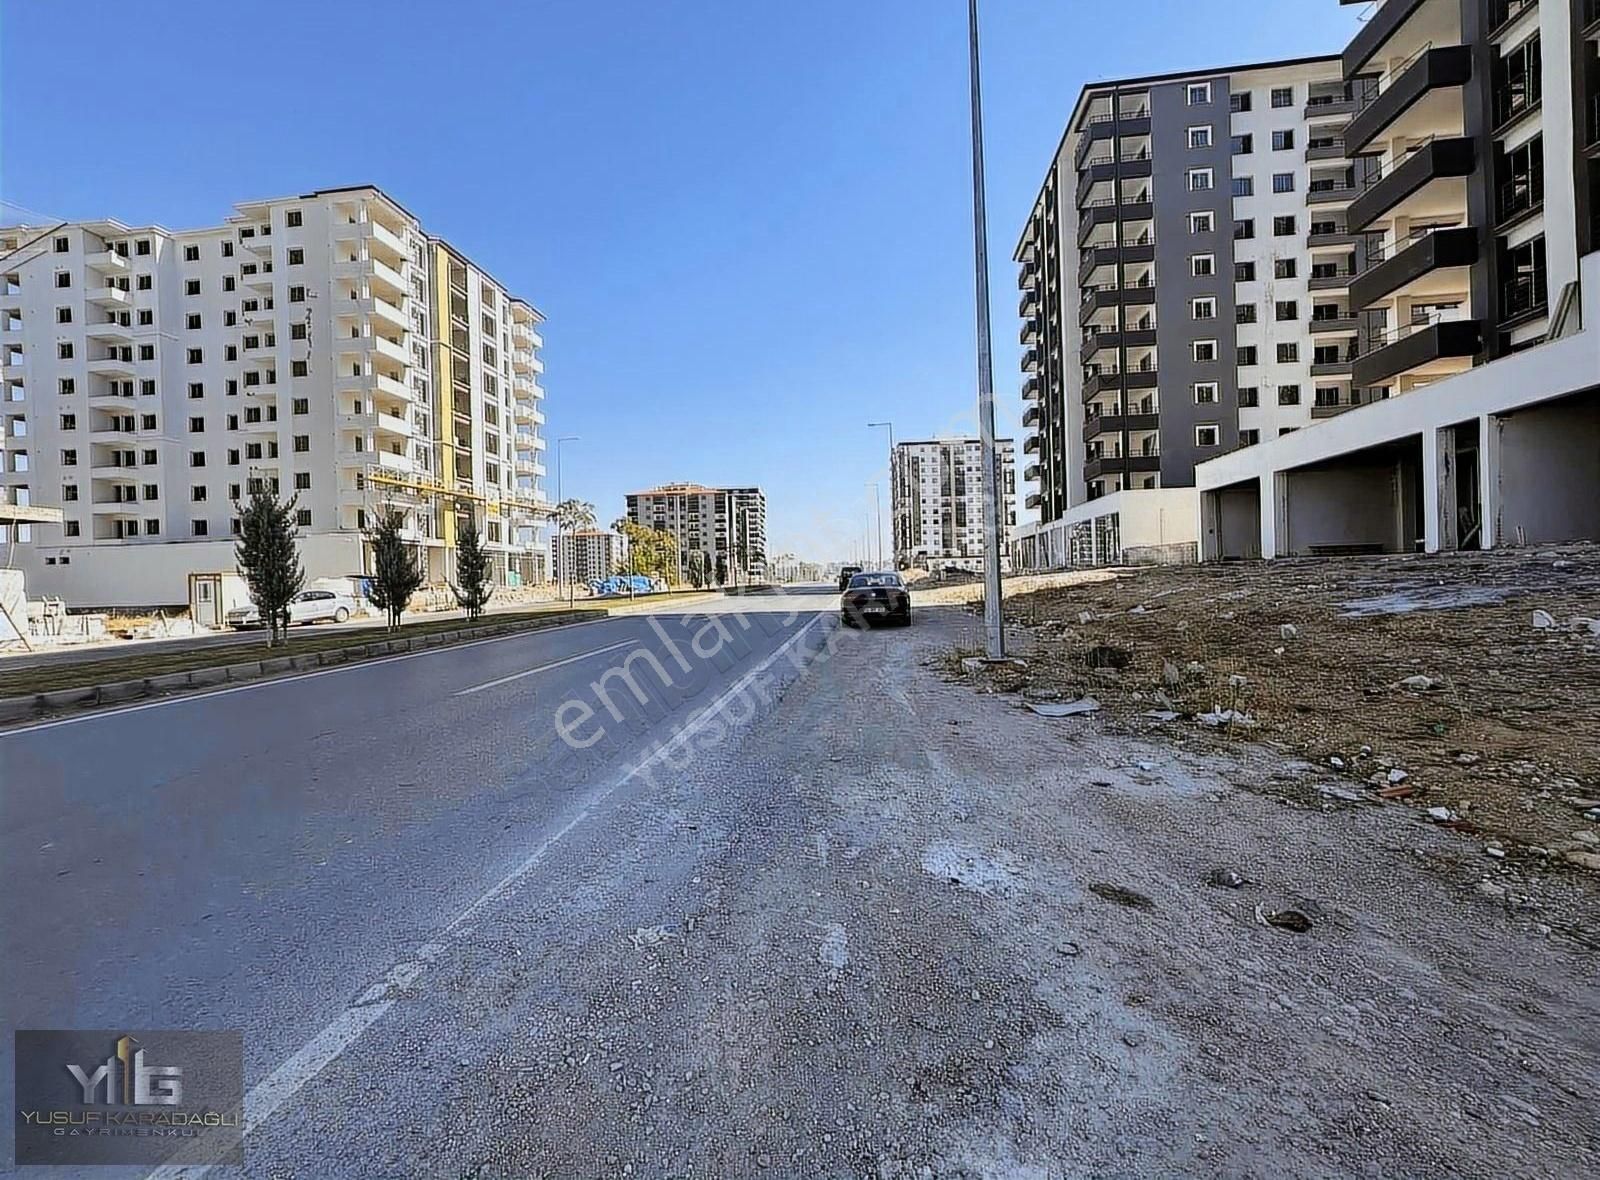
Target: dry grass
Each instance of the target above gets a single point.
(1506, 735)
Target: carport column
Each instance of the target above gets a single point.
(1489, 479)
(1274, 493)
(1432, 506)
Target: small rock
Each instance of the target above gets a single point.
(1496, 851)
(1587, 837)
(1170, 675)
(1336, 762)
(1289, 631)
(1585, 804)
(1417, 683)
(1068, 950)
(1441, 815)
(1194, 668)
(1139, 610)
(1218, 718)
(1133, 1038)
(1225, 879)
(1147, 767)
(1085, 617)
(1543, 620)
(1466, 758)
(1491, 889)
(1237, 682)
(1397, 776)
(1161, 715)
(1585, 860)
(1074, 709)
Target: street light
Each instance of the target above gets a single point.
(993, 627)
(560, 565)
(894, 486)
(877, 504)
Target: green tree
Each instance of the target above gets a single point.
(652, 552)
(722, 569)
(697, 567)
(574, 515)
(396, 576)
(473, 587)
(269, 558)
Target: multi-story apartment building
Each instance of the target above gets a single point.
(727, 525)
(937, 490)
(1480, 287)
(1184, 275)
(324, 345)
(585, 555)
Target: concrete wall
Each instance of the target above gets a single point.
(1234, 528)
(1549, 487)
(1358, 503)
(1153, 525)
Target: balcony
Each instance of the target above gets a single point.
(1330, 277)
(1117, 465)
(1524, 297)
(1386, 20)
(1030, 331)
(1030, 389)
(1324, 150)
(258, 277)
(1030, 361)
(1108, 213)
(1103, 128)
(1339, 367)
(1418, 349)
(1092, 258)
(1110, 341)
(260, 425)
(1427, 182)
(389, 313)
(1342, 325)
(1032, 472)
(1028, 304)
(1416, 98)
(1331, 407)
(1333, 240)
(1034, 500)
(1518, 197)
(1031, 416)
(109, 330)
(1329, 107)
(107, 262)
(400, 464)
(112, 366)
(1027, 275)
(110, 296)
(259, 242)
(1110, 378)
(1030, 445)
(1132, 166)
(1098, 424)
(1432, 264)
(1096, 299)
(1327, 192)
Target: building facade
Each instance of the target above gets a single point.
(727, 525)
(325, 346)
(1184, 277)
(586, 555)
(937, 492)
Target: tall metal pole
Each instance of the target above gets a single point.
(562, 572)
(894, 537)
(994, 633)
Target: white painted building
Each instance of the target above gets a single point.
(727, 525)
(936, 501)
(586, 555)
(323, 345)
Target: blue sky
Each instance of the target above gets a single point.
(748, 223)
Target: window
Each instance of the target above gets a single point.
(1249, 438)
(1283, 227)
(1244, 272)
(1283, 96)
(302, 481)
(1199, 180)
(1199, 93)
(1244, 230)
(297, 256)
(1288, 395)
(1244, 313)
(1202, 265)
(147, 457)
(197, 493)
(142, 246)
(63, 278)
(69, 528)
(1202, 223)
(62, 245)
(69, 492)
(1204, 350)
(196, 356)
(253, 450)
(197, 425)
(147, 352)
(197, 458)
(69, 458)
(196, 390)
(1203, 309)
(1289, 354)
(191, 253)
(233, 461)
(1199, 137)
(144, 282)
(302, 444)
(297, 331)
(1243, 145)
(197, 528)
(147, 387)
(147, 317)
(66, 386)
(233, 420)
(63, 315)
(64, 350)
(69, 422)
(300, 405)
(1244, 186)
(1239, 101)
(297, 294)
(293, 219)
(299, 368)
(303, 518)
(191, 286)
(192, 321)
(227, 282)
(1283, 182)
(1207, 434)
(1205, 393)
(152, 528)
(1284, 268)
(1247, 355)
(230, 353)
(1287, 309)
(1283, 141)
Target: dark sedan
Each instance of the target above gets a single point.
(875, 598)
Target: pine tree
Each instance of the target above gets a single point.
(396, 575)
(269, 559)
(473, 588)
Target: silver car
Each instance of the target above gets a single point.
(308, 606)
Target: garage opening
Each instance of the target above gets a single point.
(1549, 488)
(1232, 519)
(1363, 502)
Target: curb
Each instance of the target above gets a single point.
(28, 708)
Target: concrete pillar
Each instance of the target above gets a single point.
(1489, 478)
(1449, 524)
(1432, 506)
(1274, 493)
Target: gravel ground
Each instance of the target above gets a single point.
(897, 927)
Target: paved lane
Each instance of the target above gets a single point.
(256, 858)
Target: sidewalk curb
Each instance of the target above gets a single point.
(37, 705)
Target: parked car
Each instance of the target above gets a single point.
(308, 606)
(845, 574)
(872, 598)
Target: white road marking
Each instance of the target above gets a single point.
(268, 1095)
(466, 692)
(270, 681)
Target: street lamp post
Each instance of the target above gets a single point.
(562, 573)
(877, 532)
(894, 527)
(993, 626)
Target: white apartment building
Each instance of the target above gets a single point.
(586, 555)
(324, 345)
(936, 501)
(727, 525)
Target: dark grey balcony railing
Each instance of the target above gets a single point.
(1519, 195)
(1523, 295)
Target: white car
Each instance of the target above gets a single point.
(308, 606)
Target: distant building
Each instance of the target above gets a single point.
(936, 489)
(586, 555)
(727, 525)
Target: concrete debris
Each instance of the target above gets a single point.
(1058, 709)
(1418, 683)
(1171, 676)
(1085, 618)
(1161, 715)
(972, 664)
(1140, 610)
(1442, 815)
(650, 937)
(1467, 758)
(1336, 762)
(1226, 879)
(1122, 896)
(1237, 682)
(1543, 620)
(1289, 631)
(1496, 851)
(1397, 776)
(1333, 792)
(1584, 860)
(1291, 918)
(1218, 718)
